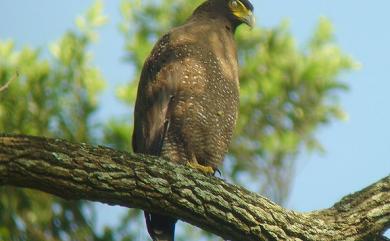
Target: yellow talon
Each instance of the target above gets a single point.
(205, 169)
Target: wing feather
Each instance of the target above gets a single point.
(157, 87)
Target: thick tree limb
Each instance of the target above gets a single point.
(81, 171)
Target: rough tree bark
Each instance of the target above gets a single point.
(81, 171)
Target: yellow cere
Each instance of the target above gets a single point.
(238, 9)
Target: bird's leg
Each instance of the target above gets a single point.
(205, 169)
(208, 170)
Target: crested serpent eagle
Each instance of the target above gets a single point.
(188, 94)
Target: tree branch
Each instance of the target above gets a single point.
(81, 171)
(5, 86)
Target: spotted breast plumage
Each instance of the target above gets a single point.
(188, 94)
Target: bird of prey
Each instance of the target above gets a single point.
(188, 94)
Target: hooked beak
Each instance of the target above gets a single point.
(250, 20)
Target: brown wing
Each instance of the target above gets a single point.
(156, 89)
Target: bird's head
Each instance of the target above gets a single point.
(236, 11)
(242, 11)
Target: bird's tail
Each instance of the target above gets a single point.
(160, 227)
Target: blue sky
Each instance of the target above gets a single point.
(357, 151)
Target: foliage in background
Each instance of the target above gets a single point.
(287, 93)
(49, 97)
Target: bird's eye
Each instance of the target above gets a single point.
(234, 4)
